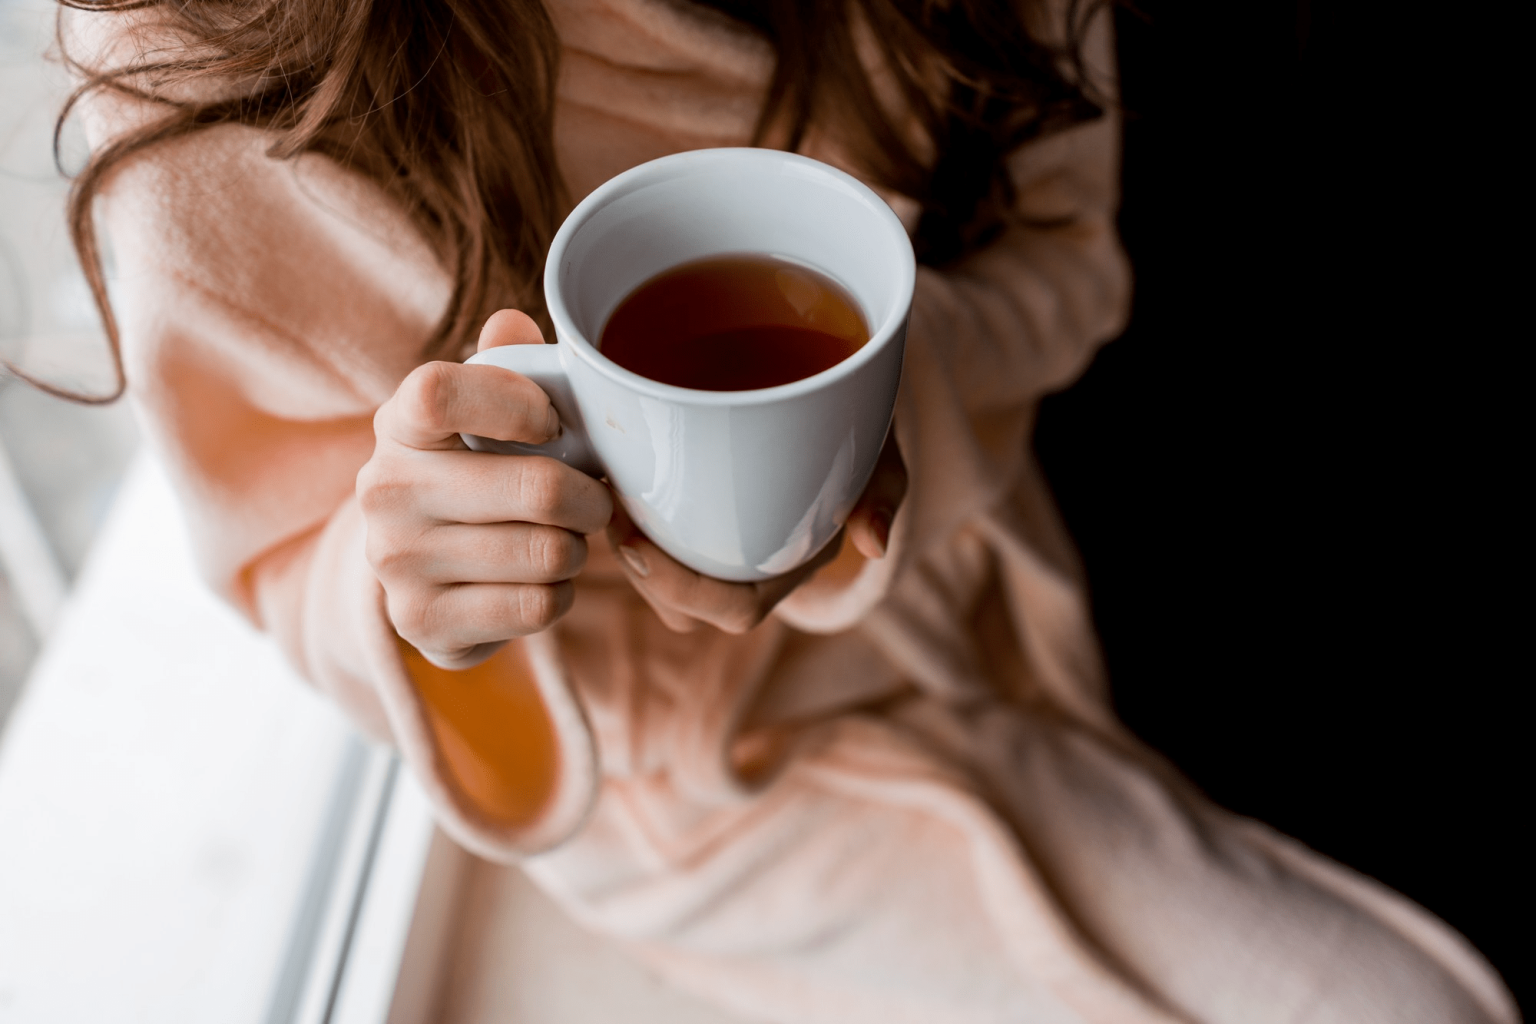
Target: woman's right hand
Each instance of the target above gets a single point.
(474, 549)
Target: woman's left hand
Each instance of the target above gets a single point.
(684, 599)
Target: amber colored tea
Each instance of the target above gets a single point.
(734, 323)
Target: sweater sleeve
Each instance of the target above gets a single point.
(986, 340)
(260, 332)
(267, 309)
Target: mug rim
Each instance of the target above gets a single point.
(671, 166)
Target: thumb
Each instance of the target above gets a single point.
(509, 327)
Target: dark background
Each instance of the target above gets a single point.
(1294, 479)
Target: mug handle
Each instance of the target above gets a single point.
(541, 364)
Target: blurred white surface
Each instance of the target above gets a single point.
(164, 784)
(66, 459)
(26, 556)
(516, 958)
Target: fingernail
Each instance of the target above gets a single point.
(635, 560)
(552, 424)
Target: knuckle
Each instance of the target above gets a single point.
(367, 489)
(389, 558)
(377, 551)
(426, 396)
(531, 553)
(538, 551)
(540, 487)
(375, 487)
(553, 552)
(383, 494)
(411, 612)
(368, 476)
(383, 415)
(539, 606)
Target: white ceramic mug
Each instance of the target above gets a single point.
(740, 485)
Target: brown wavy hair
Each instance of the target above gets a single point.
(449, 105)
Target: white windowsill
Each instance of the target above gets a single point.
(187, 832)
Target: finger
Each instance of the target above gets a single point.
(478, 487)
(451, 622)
(509, 327)
(674, 620)
(438, 401)
(676, 591)
(625, 539)
(869, 524)
(491, 553)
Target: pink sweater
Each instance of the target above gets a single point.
(903, 798)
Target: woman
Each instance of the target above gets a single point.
(886, 788)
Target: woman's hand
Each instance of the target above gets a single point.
(683, 598)
(474, 549)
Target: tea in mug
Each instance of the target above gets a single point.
(734, 323)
